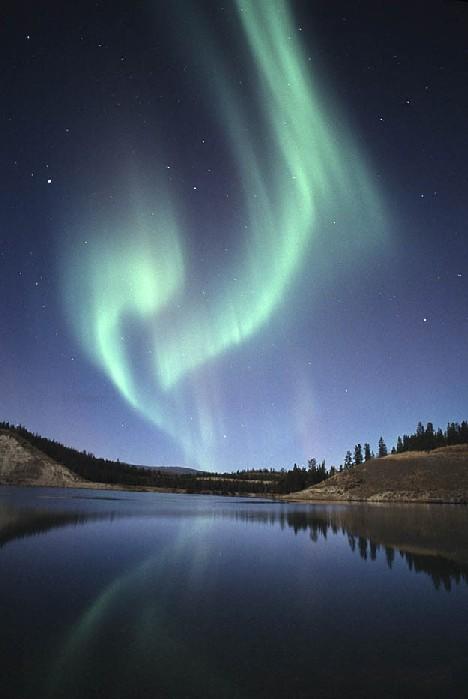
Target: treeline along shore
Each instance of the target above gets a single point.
(33, 454)
(89, 468)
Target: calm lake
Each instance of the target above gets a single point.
(118, 595)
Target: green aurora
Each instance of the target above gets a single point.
(134, 277)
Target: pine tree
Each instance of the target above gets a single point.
(323, 469)
(452, 433)
(358, 454)
(440, 439)
(383, 451)
(348, 460)
(367, 452)
(420, 436)
(429, 437)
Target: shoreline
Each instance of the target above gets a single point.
(393, 499)
(84, 485)
(388, 498)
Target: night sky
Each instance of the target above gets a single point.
(233, 234)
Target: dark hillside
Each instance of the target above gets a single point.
(440, 475)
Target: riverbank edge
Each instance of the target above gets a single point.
(294, 498)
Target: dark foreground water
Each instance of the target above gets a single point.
(118, 595)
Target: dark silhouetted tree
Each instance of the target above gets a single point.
(358, 454)
(383, 451)
(452, 434)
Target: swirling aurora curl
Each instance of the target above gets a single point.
(134, 276)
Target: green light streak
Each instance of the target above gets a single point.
(141, 599)
(294, 171)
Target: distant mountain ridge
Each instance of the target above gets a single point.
(169, 469)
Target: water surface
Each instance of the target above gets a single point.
(109, 594)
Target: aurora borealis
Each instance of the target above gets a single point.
(290, 166)
(222, 228)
